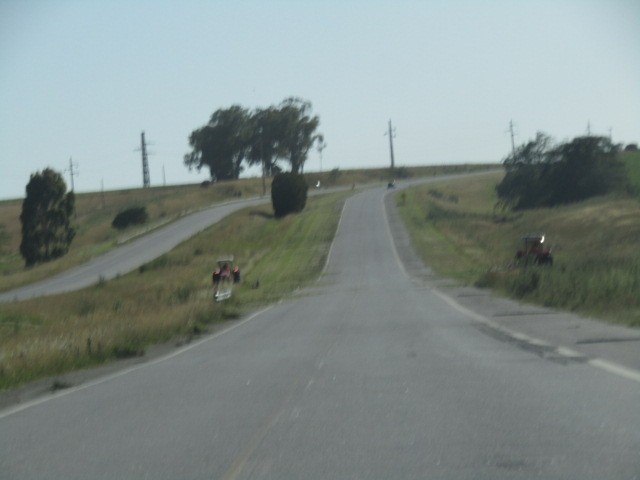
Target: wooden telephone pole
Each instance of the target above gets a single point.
(391, 133)
(146, 182)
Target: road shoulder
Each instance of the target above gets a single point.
(548, 332)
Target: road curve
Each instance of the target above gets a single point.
(131, 255)
(372, 373)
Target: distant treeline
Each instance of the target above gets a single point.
(542, 173)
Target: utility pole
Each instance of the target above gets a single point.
(320, 146)
(102, 191)
(589, 128)
(145, 163)
(513, 144)
(164, 178)
(392, 134)
(72, 173)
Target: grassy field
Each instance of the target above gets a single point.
(170, 297)
(632, 162)
(458, 231)
(95, 212)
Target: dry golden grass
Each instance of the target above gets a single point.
(171, 296)
(96, 211)
(596, 267)
(168, 298)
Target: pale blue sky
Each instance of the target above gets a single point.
(82, 79)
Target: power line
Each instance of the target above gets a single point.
(146, 181)
(392, 134)
(72, 172)
(145, 163)
(513, 144)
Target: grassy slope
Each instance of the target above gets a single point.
(171, 297)
(632, 161)
(95, 212)
(597, 262)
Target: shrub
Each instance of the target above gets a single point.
(288, 193)
(130, 216)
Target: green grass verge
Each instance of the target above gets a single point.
(170, 297)
(96, 211)
(457, 230)
(632, 162)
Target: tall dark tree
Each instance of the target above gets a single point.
(222, 144)
(46, 217)
(297, 131)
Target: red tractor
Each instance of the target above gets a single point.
(534, 251)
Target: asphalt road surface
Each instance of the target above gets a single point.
(131, 255)
(373, 373)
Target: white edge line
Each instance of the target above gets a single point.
(616, 369)
(607, 366)
(390, 235)
(610, 367)
(335, 235)
(23, 406)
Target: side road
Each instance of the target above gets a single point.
(559, 336)
(131, 255)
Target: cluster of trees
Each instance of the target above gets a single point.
(234, 136)
(541, 173)
(47, 214)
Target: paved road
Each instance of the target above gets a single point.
(131, 255)
(373, 373)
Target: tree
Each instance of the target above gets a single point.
(520, 187)
(540, 174)
(46, 216)
(222, 144)
(264, 140)
(233, 136)
(297, 131)
(585, 167)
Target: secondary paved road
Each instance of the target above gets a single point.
(131, 255)
(135, 253)
(370, 374)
